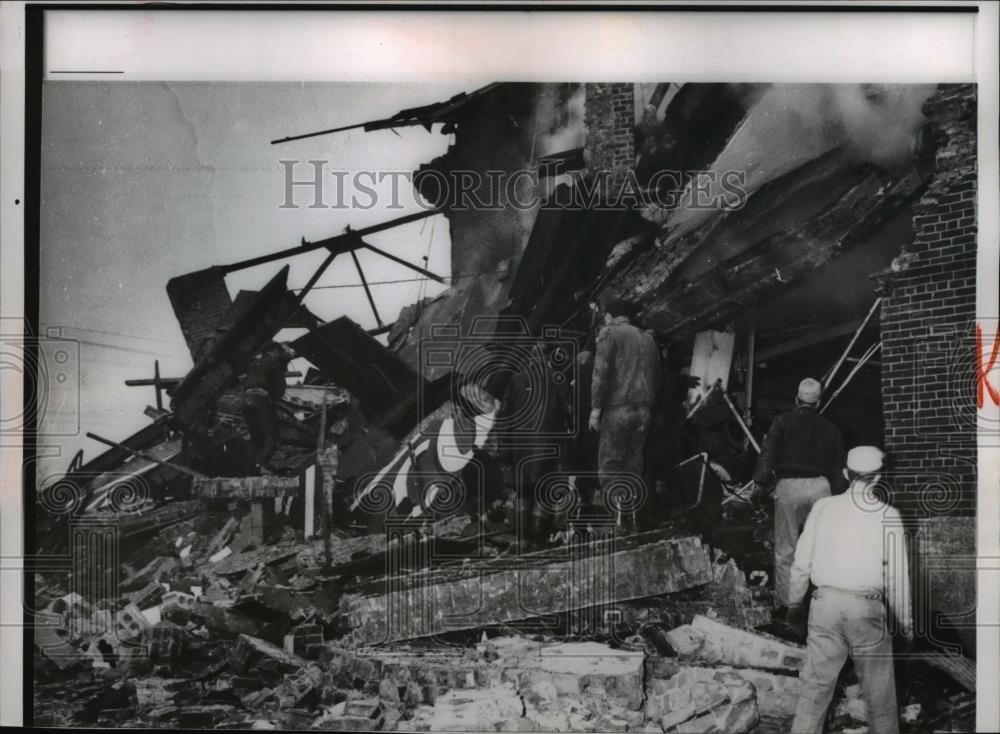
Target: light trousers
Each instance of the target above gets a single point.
(793, 498)
(843, 623)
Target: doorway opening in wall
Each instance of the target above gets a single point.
(805, 330)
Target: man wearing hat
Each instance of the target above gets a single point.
(854, 551)
(805, 453)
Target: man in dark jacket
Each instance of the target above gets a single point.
(624, 387)
(263, 387)
(533, 427)
(805, 452)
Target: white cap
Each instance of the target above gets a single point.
(809, 391)
(865, 459)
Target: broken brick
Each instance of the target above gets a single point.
(130, 623)
(305, 641)
(177, 605)
(692, 701)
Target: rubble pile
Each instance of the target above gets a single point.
(371, 574)
(257, 639)
(237, 601)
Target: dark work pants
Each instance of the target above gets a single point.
(623, 432)
(258, 412)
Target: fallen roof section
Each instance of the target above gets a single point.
(252, 330)
(356, 361)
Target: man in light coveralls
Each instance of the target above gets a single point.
(853, 550)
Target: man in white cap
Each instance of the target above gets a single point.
(854, 551)
(804, 452)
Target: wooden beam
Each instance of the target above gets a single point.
(677, 306)
(815, 336)
(384, 329)
(157, 384)
(368, 291)
(404, 263)
(346, 242)
(865, 358)
(828, 377)
(145, 456)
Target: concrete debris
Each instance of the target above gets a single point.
(496, 708)
(712, 642)
(368, 572)
(245, 488)
(723, 702)
(491, 593)
(776, 694)
(853, 708)
(252, 654)
(910, 713)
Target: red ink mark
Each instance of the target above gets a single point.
(982, 375)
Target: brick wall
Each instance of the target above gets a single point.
(928, 326)
(202, 304)
(610, 121)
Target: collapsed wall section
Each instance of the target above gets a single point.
(202, 305)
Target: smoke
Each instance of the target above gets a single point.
(876, 123)
(572, 133)
(880, 121)
(788, 125)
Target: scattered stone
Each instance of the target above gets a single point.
(357, 715)
(252, 654)
(713, 642)
(777, 695)
(153, 615)
(154, 692)
(224, 553)
(911, 713)
(693, 700)
(203, 717)
(177, 604)
(306, 640)
(130, 623)
(492, 709)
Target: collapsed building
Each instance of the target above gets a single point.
(373, 582)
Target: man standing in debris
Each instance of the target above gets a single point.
(624, 387)
(533, 420)
(263, 388)
(804, 452)
(854, 551)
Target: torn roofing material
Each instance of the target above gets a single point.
(302, 317)
(230, 355)
(356, 361)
